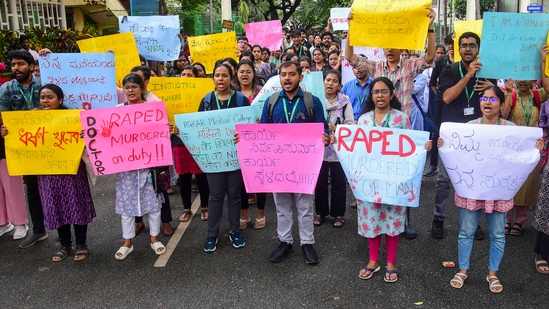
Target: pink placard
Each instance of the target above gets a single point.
(127, 137)
(265, 33)
(280, 157)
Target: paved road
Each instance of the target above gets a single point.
(245, 278)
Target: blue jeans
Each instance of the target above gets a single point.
(468, 222)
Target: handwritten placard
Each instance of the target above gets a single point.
(127, 137)
(462, 26)
(43, 142)
(265, 33)
(280, 157)
(88, 80)
(207, 49)
(181, 95)
(125, 51)
(155, 36)
(488, 162)
(312, 82)
(209, 136)
(339, 18)
(389, 24)
(382, 165)
(511, 45)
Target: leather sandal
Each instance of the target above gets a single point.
(62, 254)
(516, 230)
(186, 216)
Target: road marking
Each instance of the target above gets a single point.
(176, 237)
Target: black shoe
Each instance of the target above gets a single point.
(281, 251)
(431, 171)
(309, 254)
(479, 234)
(437, 230)
(410, 232)
(32, 240)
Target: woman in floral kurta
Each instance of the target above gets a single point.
(375, 219)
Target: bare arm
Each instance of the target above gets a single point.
(431, 39)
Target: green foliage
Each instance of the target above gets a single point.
(57, 39)
(459, 7)
(315, 13)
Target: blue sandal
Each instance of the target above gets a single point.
(390, 272)
(368, 269)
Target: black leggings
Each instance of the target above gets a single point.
(80, 232)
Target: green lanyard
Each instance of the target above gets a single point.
(289, 120)
(385, 122)
(228, 102)
(29, 99)
(527, 112)
(468, 95)
(362, 99)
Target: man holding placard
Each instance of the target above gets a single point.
(292, 106)
(459, 90)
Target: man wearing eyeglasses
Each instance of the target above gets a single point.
(459, 90)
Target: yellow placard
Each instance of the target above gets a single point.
(547, 58)
(125, 51)
(181, 95)
(389, 23)
(462, 26)
(43, 142)
(207, 49)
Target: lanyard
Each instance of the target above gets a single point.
(527, 112)
(29, 99)
(385, 121)
(228, 102)
(468, 95)
(362, 99)
(289, 120)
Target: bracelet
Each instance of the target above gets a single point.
(431, 30)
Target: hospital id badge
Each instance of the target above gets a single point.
(468, 111)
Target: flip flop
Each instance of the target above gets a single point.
(124, 251)
(259, 223)
(371, 270)
(390, 272)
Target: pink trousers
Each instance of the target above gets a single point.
(391, 244)
(13, 207)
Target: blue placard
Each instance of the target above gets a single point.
(155, 36)
(511, 44)
(534, 8)
(88, 80)
(382, 165)
(209, 136)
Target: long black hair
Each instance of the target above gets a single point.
(135, 78)
(254, 78)
(57, 90)
(370, 105)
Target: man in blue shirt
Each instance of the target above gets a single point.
(291, 108)
(357, 90)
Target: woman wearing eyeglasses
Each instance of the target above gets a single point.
(492, 103)
(382, 108)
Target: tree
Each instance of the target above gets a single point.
(459, 8)
(315, 13)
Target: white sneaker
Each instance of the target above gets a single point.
(6, 228)
(20, 231)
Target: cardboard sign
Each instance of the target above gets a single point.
(88, 80)
(209, 136)
(265, 33)
(43, 142)
(181, 95)
(511, 45)
(280, 157)
(462, 26)
(126, 138)
(390, 24)
(156, 36)
(339, 18)
(125, 51)
(488, 162)
(382, 165)
(207, 49)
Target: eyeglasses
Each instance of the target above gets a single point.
(382, 91)
(241, 42)
(491, 99)
(128, 87)
(471, 46)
